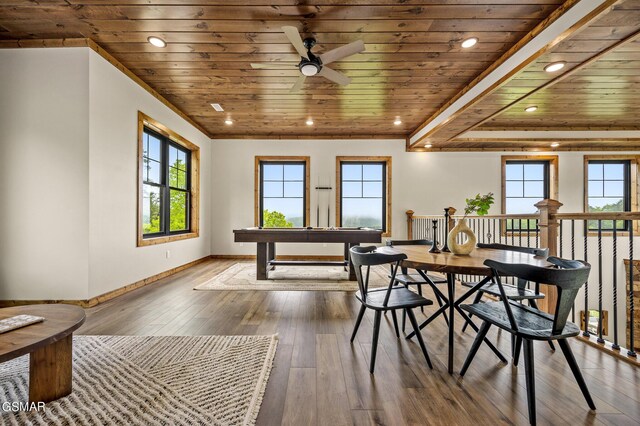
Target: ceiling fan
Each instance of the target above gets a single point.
(311, 64)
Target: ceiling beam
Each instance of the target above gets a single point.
(562, 23)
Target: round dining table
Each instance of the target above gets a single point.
(419, 258)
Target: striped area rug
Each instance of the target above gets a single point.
(151, 380)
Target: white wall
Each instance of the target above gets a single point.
(114, 259)
(44, 173)
(421, 181)
(68, 161)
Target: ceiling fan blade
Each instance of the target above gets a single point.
(342, 52)
(272, 65)
(294, 37)
(298, 84)
(335, 76)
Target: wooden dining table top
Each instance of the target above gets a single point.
(418, 257)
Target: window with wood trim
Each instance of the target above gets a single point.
(363, 195)
(526, 180)
(168, 184)
(282, 195)
(610, 185)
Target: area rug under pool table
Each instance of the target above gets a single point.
(152, 380)
(242, 276)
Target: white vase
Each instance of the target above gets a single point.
(452, 239)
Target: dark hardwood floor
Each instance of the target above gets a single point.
(320, 378)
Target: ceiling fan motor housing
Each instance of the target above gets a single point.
(313, 65)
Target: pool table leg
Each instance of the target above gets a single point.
(261, 262)
(352, 271)
(271, 248)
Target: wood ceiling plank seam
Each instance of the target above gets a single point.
(554, 81)
(585, 21)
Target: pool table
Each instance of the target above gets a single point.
(266, 239)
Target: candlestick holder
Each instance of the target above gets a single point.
(445, 247)
(434, 243)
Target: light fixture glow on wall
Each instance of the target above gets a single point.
(157, 41)
(531, 108)
(470, 42)
(555, 66)
(309, 122)
(228, 122)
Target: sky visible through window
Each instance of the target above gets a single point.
(283, 189)
(362, 195)
(524, 187)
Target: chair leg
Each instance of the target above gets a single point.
(475, 300)
(552, 346)
(395, 322)
(516, 349)
(404, 319)
(420, 293)
(414, 323)
(568, 354)
(374, 342)
(358, 321)
(530, 379)
(484, 328)
(534, 304)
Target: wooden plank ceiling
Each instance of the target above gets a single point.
(597, 90)
(412, 65)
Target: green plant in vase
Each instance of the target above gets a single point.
(480, 205)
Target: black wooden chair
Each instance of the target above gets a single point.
(419, 278)
(527, 323)
(384, 299)
(518, 292)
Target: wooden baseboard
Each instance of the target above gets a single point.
(279, 257)
(606, 347)
(88, 303)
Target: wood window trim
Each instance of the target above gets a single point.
(194, 210)
(634, 193)
(553, 179)
(365, 159)
(276, 159)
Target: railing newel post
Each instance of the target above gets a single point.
(409, 214)
(548, 225)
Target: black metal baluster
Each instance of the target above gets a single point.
(600, 339)
(615, 345)
(537, 234)
(528, 232)
(573, 256)
(520, 233)
(585, 332)
(632, 351)
(560, 245)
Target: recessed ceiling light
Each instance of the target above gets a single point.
(428, 145)
(157, 41)
(217, 107)
(531, 108)
(309, 122)
(555, 66)
(470, 42)
(228, 122)
(555, 144)
(397, 122)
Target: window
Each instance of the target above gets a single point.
(168, 180)
(364, 193)
(283, 192)
(609, 188)
(525, 181)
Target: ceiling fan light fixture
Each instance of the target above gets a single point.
(531, 108)
(157, 41)
(470, 42)
(308, 69)
(555, 66)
